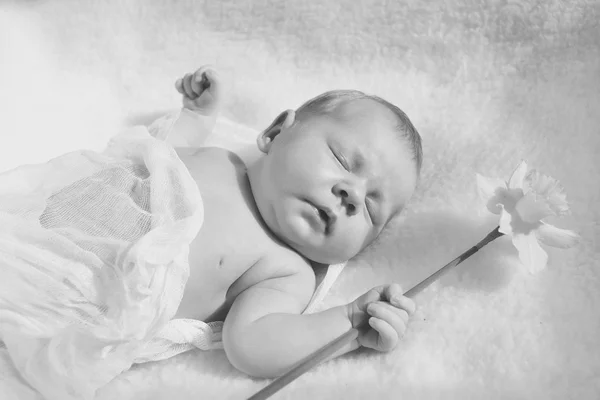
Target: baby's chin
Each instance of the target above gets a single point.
(318, 254)
(322, 253)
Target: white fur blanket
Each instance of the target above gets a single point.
(487, 84)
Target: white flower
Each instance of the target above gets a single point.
(522, 203)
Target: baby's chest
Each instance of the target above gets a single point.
(224, 249)
(231, 238)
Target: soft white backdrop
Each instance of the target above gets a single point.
(486, 82)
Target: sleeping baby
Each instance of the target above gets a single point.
(158, 233)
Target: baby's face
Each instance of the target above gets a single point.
(331, 183)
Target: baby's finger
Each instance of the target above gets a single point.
(204, 69)
(392, 291)
(187, 87)
(212, 81)
(388, 337)
(196, 84)
(404, 303)
(179, 86)
(397, 318)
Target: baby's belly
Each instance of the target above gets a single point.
(216, 265)
(205, 294)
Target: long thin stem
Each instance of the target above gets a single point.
(433, 277)
(334, 346)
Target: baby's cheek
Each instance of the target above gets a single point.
(352, 239)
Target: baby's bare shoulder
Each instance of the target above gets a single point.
(215, 169)
(284, 261)
(213, 155)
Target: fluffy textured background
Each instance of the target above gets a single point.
(486, 82)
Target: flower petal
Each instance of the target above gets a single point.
(531, 210)
(556, 237)
(505, 222)
(531, 253)
(488, 192)
(549, 190)
(518, 176)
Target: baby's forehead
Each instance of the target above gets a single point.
(371, 125)
(366, 110)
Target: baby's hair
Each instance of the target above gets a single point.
(328, 102)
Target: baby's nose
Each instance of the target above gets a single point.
(350, 197)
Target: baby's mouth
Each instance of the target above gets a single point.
(325, 215)
(328, 218)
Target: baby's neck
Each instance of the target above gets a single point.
(254, 170)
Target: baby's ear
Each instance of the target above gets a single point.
(282, 122)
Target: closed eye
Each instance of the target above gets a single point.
(369, 207)
(375, 205)
(340, 159)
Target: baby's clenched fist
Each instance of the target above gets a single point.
(200, 90)
(382, 316)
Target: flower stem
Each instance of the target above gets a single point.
(433, 277)
(334, 346)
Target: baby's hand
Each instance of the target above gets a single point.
(200, 90)
(386, 311)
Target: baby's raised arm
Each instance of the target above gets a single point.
(196, 120)
(265, 334)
